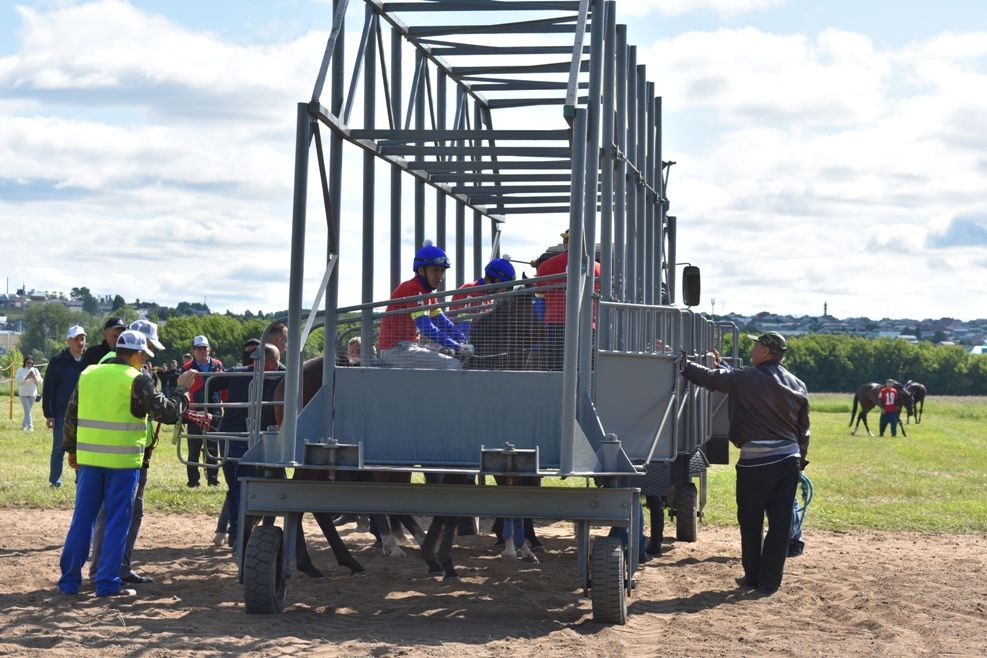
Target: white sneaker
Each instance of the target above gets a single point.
(509, 552)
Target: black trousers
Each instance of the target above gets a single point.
(199, 446)
(766, 490)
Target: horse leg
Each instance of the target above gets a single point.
(656, 509)
(382, 528)
(445, 547)
(428, 546)
(343, 556)
(863, 417)
(531, 538)
(409, 522)
(302, 558)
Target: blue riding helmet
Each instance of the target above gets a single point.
(429, 254)
(500, 269)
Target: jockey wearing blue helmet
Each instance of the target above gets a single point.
(401, 333)
(499, 270)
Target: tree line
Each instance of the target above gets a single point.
(825, 362)
(836, 363)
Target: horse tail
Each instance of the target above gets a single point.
(853, 413)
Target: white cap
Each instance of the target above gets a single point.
(75, 330)
(200, 341)
(134, 340)
(150, 330)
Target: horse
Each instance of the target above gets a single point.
(867, 397)
(917, 391)
(387, 530)
(503, 336)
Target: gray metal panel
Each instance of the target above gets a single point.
(720, 420)
(611, 506)
(635, 395)
(431, 417)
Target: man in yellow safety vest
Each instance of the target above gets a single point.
(105, 438)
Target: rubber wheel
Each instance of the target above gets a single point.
(263, 583)
(686, 512)
(608, 573)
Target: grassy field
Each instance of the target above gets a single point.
(935, 480)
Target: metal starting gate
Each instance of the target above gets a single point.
(582, 141)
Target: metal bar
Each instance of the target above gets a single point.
(466, 165)
(572, 296)
(396, 178)
(551, 67)
(620, 168)
(604, 506)
(554, 5)
(420, 125)
(577, 48)
(303, 137)
(369, 194)
(448, 135)
(368, 25)
(649, 216)
(606, 170)
(332, 43)
(639, 191)
(518, 151)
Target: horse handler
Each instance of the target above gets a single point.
(105, 438)
(769, 421)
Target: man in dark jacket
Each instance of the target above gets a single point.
(112, 329)
(769, 422)
(60, 379)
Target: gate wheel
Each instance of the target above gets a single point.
(608, 572)
(264, 584)
(686, 512)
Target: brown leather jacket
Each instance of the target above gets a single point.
(766, 401)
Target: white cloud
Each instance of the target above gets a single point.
(678, 7)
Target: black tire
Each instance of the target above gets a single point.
(264, 584)
(608, 572)
(686, 512)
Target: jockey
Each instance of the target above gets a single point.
(499, 270)
(400, 333)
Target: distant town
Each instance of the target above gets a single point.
(971, 334)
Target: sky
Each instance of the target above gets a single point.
(828, 153)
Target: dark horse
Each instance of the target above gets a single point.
(917, 391)
(504, 335)
(866, 396)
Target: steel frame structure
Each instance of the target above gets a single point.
(600, 163)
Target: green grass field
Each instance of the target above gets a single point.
(933, 481)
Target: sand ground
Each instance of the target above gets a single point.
(853, 594)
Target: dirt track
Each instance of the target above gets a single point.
(849, 595)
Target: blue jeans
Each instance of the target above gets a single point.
(889, 418)
(57, 454)
(622, 532)
(95, 487)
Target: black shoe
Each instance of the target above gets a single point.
(643, 557)
(192, 485)
(654, 549)
(434, 568)
(746, 583)
(213, 483)
(766, 591)
(135, 578)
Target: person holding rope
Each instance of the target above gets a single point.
(769, 421)
(105, 438)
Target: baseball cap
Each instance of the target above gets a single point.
(133, 340)
(113, 322)
(200, 341)
(150, 330)
(75, 330)
(251, 341)
(772, 340)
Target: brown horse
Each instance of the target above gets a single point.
(867, 396)
(917, 391)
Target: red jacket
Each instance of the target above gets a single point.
(555, 298)
(888, 397)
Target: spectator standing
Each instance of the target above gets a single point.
(112, 329)
(890, 401)
(169, 377)
(63, 374)
(105, 437)
(400, 333)
(127, 573)
(28, 379)
(769, 421)
(197, 444)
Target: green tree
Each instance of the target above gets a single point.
(45, 326)
(118, 302)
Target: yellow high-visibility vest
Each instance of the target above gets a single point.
(108, 434)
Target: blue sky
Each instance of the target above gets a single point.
(828, 152)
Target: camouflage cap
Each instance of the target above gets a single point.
(773, 341)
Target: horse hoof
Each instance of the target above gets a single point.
(509, 552)
(354, 566)
(311, 571)
(528, 556)
(434, 568)
(419, 538)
